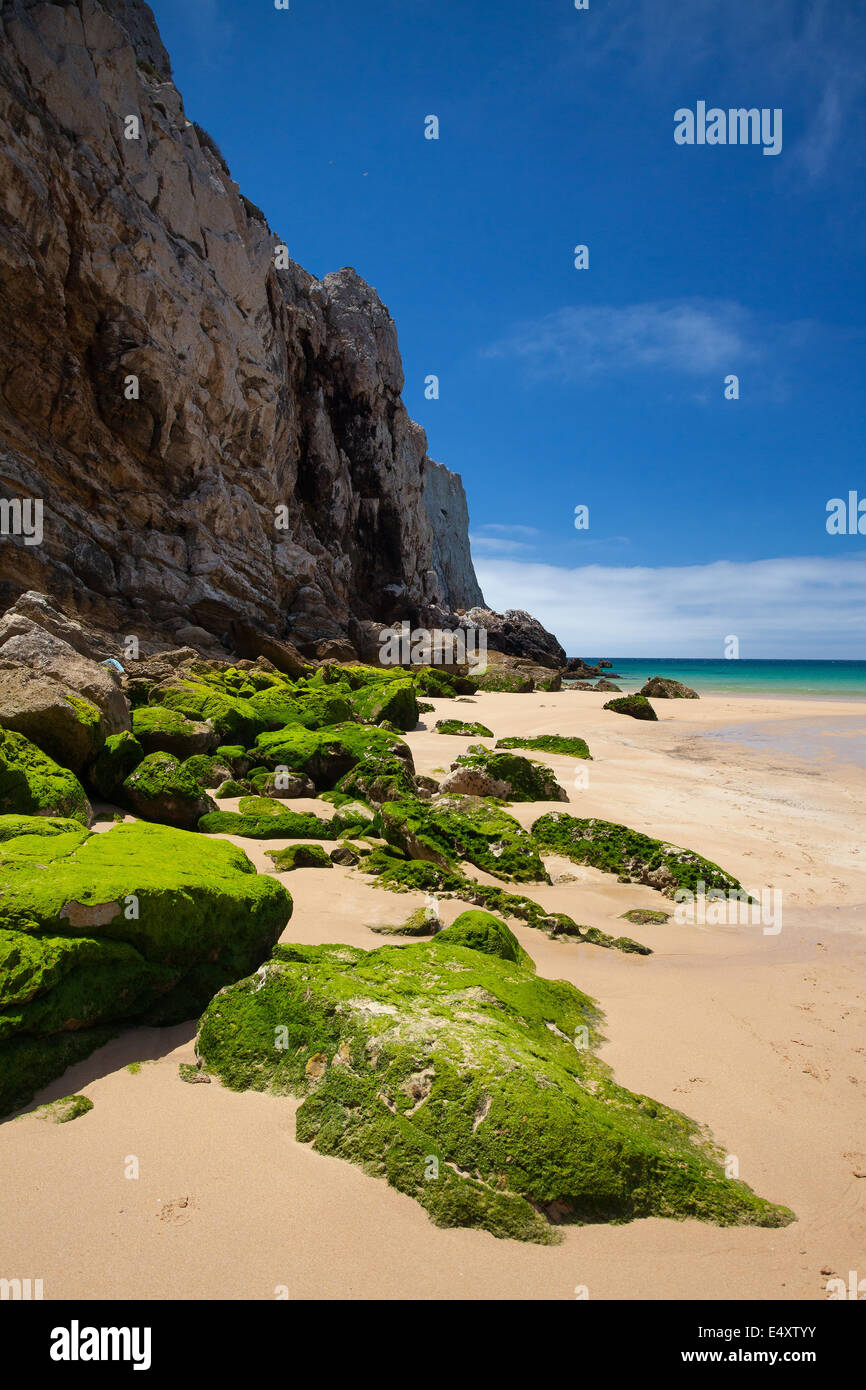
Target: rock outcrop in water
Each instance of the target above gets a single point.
(219, 443)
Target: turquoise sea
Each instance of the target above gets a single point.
(831, 679)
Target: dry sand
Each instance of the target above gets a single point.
(760, 1036)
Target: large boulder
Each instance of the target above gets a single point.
(249, 642)
(453, 1071)
(637, 706)
(485, 772)
(663, 688)
(326, 755)
(119, 756)
(160, 789)
(516, 633)
(162, 730)
(138, 923)
(62, 700)
(388, 701)
(32, 784)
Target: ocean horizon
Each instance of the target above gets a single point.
(831, 679)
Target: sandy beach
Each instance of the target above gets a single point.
(760, 1036)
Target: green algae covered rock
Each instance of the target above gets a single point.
(636, 858)
(663, 688)
(32, 784)
(233, 717)
(282, 705)
(391, 701)
(432, 680)
(140, 922)
(262, 818)
(235, 756)
(379, 777)
(160, 789)
(326, 755)
(468, 1083)
(60, 1112)
(638, 706)
(503, 679)
(299, 857)
(448, 829)
(162, 730)
(645, 916)
(549, 743)
(280, 784)
(481, 931)
(463, 728)
(119, 756)
(424, 921)
(208, 770)
(485, 772)
(401, 875)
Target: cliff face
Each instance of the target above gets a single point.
(267, 470)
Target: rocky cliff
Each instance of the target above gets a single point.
(217, 438)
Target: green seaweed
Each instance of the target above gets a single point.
(469, 1083)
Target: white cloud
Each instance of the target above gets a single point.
(797, 608)
(689, 337)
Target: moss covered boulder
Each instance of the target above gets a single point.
(232, 717)
(637, 706)
(390, 701)
(572, 747)
(485, 772)
(314, 708)
(378, 778)
(162, 730)
(119, 756)
(447, 829)
(68, 726)
(445, 684)
(663, 688)
(463, 728)
(503, 679)
(262, 818)
(299, 857)
(160, 789)
(32, 784)
(481, 931)
(140, 922)
(634, 857)
(281, 783)
(468, 1083)
(326, 755)
(208, 770)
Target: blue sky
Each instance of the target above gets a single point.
(604, 386)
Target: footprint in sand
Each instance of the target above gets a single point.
(177, 1212)
(812, 1069)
